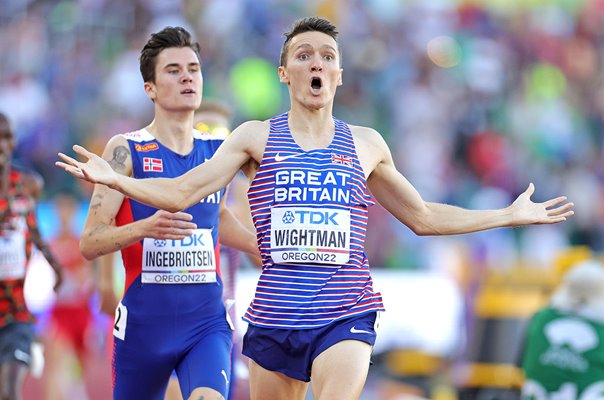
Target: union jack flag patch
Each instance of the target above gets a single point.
(153, 164)
(341, 159)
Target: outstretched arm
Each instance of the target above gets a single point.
(101, 236)
(403, 201)
(172, 194)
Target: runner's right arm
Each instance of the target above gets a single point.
(175, 194)
(101, 236)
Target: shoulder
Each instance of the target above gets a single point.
(254, 126)
(366, 136)
(117, 152)
(32, 181)
(252, 132)
(117, 147)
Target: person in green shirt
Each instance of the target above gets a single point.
(563, 356)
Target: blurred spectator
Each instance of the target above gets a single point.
(564, 350)
(19, 193)
(68, 336)
(474, 93)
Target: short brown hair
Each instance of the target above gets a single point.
(164, 39)
(308, 24)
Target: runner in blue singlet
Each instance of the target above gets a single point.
(314, 310)
(171, 316)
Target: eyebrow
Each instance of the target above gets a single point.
(171, 65)
(330, 47)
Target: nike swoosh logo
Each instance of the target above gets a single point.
(280, 157)
(355, 330)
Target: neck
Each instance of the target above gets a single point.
(173, 130)
(4, 180)
(314, 123)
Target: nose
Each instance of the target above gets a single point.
(187, 76)
(317, 65)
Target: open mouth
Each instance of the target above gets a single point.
(188, 91)
(316, 83)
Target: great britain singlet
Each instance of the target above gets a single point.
(172, 277)
(310, 212)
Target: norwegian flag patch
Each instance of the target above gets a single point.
(341, 159)
(153, 164)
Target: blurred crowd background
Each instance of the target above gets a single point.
(476, 99)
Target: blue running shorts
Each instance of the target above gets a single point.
(292, 352)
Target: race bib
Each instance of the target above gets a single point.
(190, 260)
(12, 255)
(120, 320)
(310, 235)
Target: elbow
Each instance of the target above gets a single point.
(86, 249)
(177, 206)
(177, 202)
(421, 230)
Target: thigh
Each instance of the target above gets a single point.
(140, 370)
(265, 384)
(340, 371)
(207, 364)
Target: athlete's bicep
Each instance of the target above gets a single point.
(394, 192)
(106, 202)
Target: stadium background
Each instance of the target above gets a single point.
(475, 98)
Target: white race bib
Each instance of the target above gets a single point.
(310, 235)
(190, 260)
(120, 321)
(12, 254)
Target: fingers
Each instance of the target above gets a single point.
(75, 171)
(178, 219)
(82, 151)
(177, 236)
(561, 210)
(556, 201)
(530, 190)
(182, 216)
(68, 160)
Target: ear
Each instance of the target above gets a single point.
(150, 90)
(283, 78)
(340, 77)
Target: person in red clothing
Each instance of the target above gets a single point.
(71, 316)
(19, 190)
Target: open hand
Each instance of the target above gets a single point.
(526, 212)
(94, 170)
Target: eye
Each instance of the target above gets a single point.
(303, 57)
(328, 57)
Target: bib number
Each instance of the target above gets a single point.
(190, 260)
(119, 322)
(310, 235)
(12, 255)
